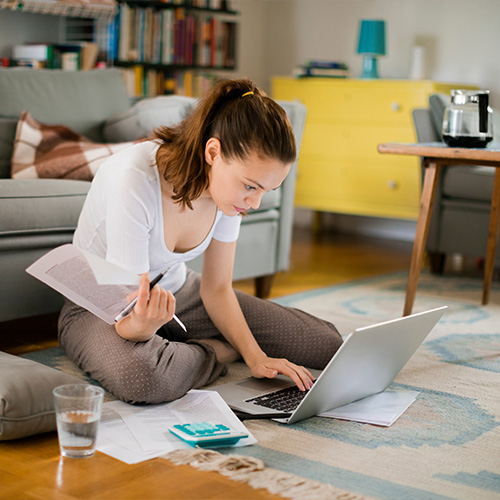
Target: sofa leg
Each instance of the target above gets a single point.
(263, 286)
(436, 262)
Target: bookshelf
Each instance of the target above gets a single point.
(73, 43)
(173, 47)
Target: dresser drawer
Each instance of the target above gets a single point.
(352, 101)
(342, 142)
(368, 189)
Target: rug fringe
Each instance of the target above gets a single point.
(253, 472)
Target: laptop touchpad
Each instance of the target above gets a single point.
(265, 384)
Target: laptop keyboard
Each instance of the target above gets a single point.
(285, 400)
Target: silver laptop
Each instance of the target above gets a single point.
(366, 363)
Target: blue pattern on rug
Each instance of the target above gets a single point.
(449, 420)
(483, 479)
(481, 351)
(367, 306)
(51, 357)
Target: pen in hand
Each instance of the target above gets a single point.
(128, 309)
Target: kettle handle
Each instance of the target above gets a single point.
(483, 112)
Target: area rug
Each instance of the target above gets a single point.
(445, 446)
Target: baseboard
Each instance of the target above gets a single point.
(374, 227)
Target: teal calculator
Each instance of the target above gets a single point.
(207, 434)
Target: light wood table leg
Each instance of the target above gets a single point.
(431, 179)
(492, 238)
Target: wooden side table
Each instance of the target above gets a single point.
(436, 155)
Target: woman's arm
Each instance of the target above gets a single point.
(223, 308)
(152, 310)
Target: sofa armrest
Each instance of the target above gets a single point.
(424, 127)
(297, 114)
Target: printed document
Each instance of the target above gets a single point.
(382, 409)
(133, 433)
(86, 279)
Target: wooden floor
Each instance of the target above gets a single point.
(32, 469)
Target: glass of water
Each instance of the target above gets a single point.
(78, 411)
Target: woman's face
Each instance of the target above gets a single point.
(238, 185)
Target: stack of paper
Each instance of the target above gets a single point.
(380, 409)
(133, 433)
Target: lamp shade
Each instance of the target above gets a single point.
(371, 37)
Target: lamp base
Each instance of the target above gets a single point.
(369, 67)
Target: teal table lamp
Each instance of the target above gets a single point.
(371, 44)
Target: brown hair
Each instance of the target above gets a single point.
(244, 120)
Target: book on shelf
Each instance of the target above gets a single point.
(38, 51)
(321, 64)
(317, 68)
(166, 36)
(106, 35)
(68, 56)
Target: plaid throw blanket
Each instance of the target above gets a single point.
(56, 152)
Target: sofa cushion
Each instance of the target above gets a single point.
(468, 182)
(145, 115)
(26, 400)
(37, 207)
(55, 151)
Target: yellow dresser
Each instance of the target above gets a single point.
(340, 169)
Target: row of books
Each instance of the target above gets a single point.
(202, 4)
(142, 82)
(174, 37)
(332, 69)
(68, 56)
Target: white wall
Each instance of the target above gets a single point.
(461, 37)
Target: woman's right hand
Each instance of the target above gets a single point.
(152, 310)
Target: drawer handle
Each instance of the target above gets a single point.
(392, 184)
(395, 106)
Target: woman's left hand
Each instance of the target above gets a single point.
(266, 367)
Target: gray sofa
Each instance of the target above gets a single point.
(460, 218)
(39, 214)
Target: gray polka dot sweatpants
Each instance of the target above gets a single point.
(172, 362)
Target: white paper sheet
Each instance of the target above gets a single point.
(107, 273)
(380, 409)
(133, 434)
(67, 270)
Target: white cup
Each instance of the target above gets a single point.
(78, 412)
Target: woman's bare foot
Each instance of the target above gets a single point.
(224, 351)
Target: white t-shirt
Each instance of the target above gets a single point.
(122, 218)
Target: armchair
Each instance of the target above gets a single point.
(461, 214)
(39, 214)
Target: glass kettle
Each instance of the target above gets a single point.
(468, 119)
